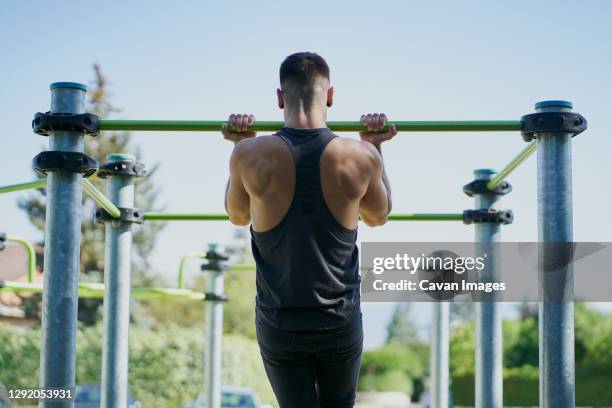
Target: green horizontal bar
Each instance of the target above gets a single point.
(96, 291)
(426, 217)
(338, 126)
(520, 158)
(101, 199)
(158, 216)
(29, 250)
(30, 185)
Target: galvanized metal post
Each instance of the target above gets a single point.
(489, 369)
(439, 355)
(214, 326)
(556, 318)
(62, 251)
(117, 271)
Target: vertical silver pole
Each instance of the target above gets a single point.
(439, 355)
(489, 370)
(556, 318)
(213, 331)
(62, 251)
(117, 271)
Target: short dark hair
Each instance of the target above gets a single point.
(299, 73)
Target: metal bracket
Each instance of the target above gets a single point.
(133, 215)
(2, 240)
(488, 215)
(480, 187)
(215, 261)
(122, 168)
(74, 162)
(566, 122)
(213, 297)
(45, 123)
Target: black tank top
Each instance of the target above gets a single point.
(308, 264)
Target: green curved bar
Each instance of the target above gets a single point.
(30, 185)
(160, 216)
(337, 126)
(96, 291)
(517, 161)
(29, 250)
(183, 263)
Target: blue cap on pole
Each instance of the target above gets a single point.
(554, 103)
(484, 171)
(120, 157)
(73, 85)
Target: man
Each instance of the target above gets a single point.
(303, 190)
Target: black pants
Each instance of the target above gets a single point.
(309, 369)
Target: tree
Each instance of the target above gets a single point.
(92, 234)
(401, 328)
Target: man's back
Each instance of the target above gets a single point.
(305, 203)
(269, 178)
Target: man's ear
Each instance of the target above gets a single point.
(330, 96)
(281, 99)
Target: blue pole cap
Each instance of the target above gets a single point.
(120, 157)
(484, 171)
(554, 103)
(73, 85)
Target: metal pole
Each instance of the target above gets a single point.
(556, 318)
(214, 327)
(489, 369)
(62, 250)
(439, 355)
(117, 271)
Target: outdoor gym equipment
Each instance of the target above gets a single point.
(549, 131)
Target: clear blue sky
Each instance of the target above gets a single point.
(412, 60)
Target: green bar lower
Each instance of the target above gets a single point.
(159, 216)
(30, 185)
(338, 126)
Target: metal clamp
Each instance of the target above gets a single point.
(566, 122)
(74, 162)
(213, 297)
(2, 240)
(133, 215)
(45, 123)
(480, 187)
(215, 261)
(122, 168)
(488, 215)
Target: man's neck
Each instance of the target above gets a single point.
(301, 120)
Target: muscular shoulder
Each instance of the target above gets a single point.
(353, 153)
(350, 165)
(259, 149)
(263, 163)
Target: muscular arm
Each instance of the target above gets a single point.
(375, 205)
(237, 203)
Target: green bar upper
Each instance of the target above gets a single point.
(338, 126)
(159, 216)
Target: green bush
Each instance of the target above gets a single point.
(390, 368)
(166, 364)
